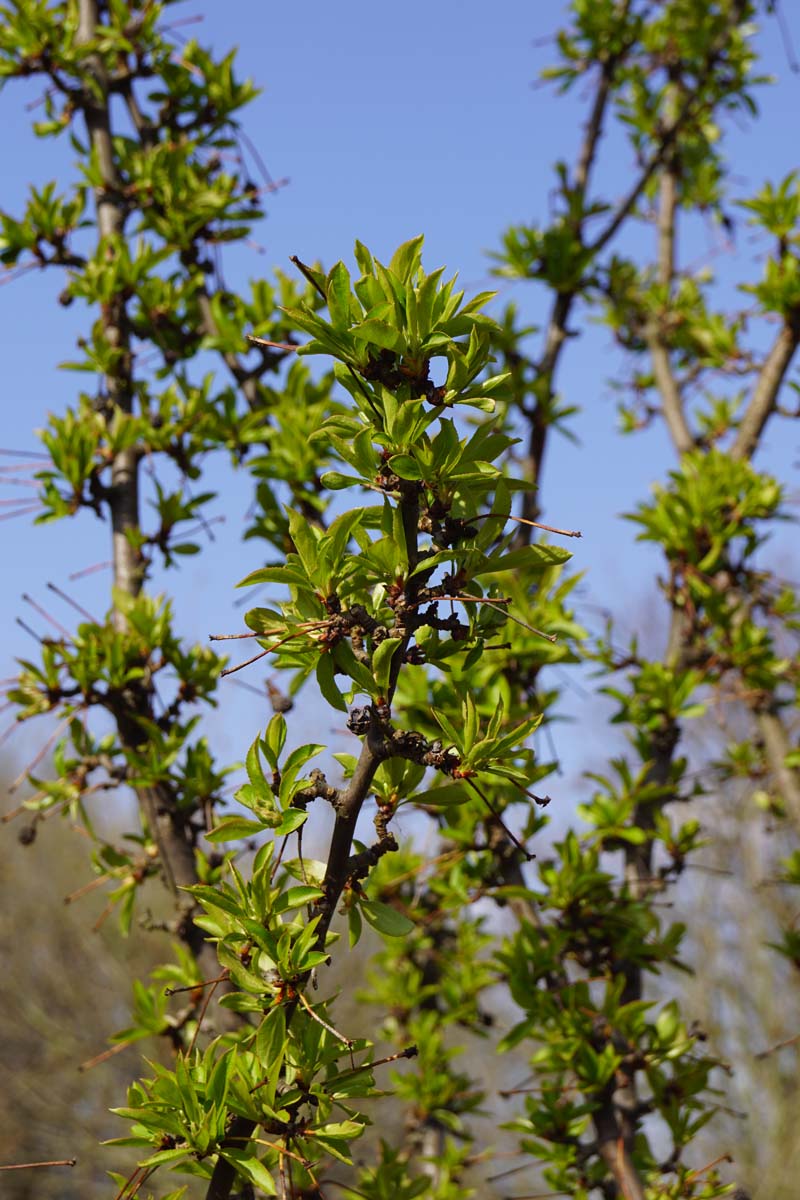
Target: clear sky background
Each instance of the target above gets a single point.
(387, 121)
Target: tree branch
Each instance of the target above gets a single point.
(667, 212)
(562, 304)
(158, 806)
(348, 804)
(670, 392)
(692, 106)
(247, 382)
(666, 382)
(613, 1149)
(776, 747)
(765, 395)
(124, 497)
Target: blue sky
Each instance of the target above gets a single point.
(387, 121)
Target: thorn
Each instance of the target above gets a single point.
(73, 603)
(44, 613)
(25, 453)
(28, 629)
(40, 754)
(101, 566)
(21, 512)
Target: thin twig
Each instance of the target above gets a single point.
(203, 1011)
(100, 566)
(86, 888)
(7, 732)
(25, 511)
(304, 1162)
(572, 533)
(257, 159)
(47, 616)
(240, 667)
(321, 1021)
(54, 1162)
(530, 857)
(726, 1158)
(776, 8)
(762, 1054)
(40, 754)
(496, 600)
(289, 347)
(192, 987)
(103, 1056)
(306, 271)
(73, 603)
(548, 637)
(301, 632)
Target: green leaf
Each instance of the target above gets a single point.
(167, 1156)
(231, 829)
(405, 261)
(346, 660)
(382, 658)
(271, 1038)
(405, 466)
(290, 821)
(363, 258)
(327, 684)
(536, 556)
(385, 919)
(275, 739)
(287, 575)
(443, 797)
(353, 924)
(298, 897)
(251, 1168)
(301, 533)
(335, 481)
(380, 333)
(255, 771)
(337, 289)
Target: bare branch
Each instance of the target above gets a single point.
(691, 108)
(563, 302)
(615, 1154)
(765, 395)
(777, 747)
(667, 213)
(246, 380)
(348, 804)
(666, 382)
(160, 809)
(55, 1162)
(670, 392)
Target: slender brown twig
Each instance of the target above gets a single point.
(259, 341)
(511, 837)
(762, 1054)
(204, 1010)
(62, 595)
(192, 987)
(53, 1162)
(104, 1056)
